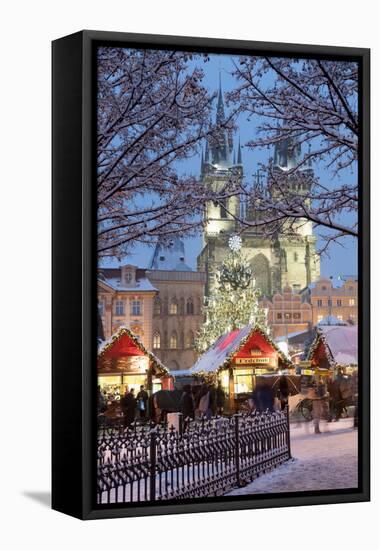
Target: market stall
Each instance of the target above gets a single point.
(334, 350)
(123, 362)
(237, 358)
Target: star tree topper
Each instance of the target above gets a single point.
(235, 243)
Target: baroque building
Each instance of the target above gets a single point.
(177, 312)
(276, 262)
(330, 299)
(287, 313)
(125, 298)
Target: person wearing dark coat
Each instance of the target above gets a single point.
(263, 397)
(186, 403)
(283, 391)
(142, 398)
(220, 399)
(128, 405)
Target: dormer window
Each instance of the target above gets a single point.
(128, 277)
(161, 258)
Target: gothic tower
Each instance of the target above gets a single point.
(276, 262)
(220, 165)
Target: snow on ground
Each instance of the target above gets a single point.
(325, 461)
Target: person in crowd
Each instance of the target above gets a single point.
(203, 408)
(128, 406)
(142, 399)
(263, 397)
(186, 403)
(283, 392)
(212, 400)
(319, 395)
(101, 401)
(220, 398)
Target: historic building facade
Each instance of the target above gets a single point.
(338, 299)
(287, 314)
(276, 262)
(126, 298)
(177, 312)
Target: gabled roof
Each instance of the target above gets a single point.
(340, 344)
(122, 343)
(220, 355)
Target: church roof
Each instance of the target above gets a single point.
(169, 256)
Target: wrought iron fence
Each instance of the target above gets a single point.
(204, 458)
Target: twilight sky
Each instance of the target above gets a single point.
(342, 260)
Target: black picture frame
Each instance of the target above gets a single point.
(74, 275)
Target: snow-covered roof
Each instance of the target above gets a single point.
(291, 335)
(341, 343)
(142, 284)
(330, 320)
(169, 256)
(226, 347)
(123, 331)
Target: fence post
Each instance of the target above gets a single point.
(288, 438)
(237, 448)
(153, 462)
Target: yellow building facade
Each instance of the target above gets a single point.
(125, 298)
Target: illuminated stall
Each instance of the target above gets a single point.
(123, 362)
(335, 348)
(237, 358)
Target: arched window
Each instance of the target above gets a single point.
(174, 340)
(156, 340)
(190, 308)
(173, 307)
(157, 306)
(223, 212)
(190, 339)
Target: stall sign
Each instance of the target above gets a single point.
(305, 364)
(252, 360)
(307, 372)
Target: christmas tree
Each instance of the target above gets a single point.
(234, 302)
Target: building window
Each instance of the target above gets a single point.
(223, 212)
(101, 308)
(157, 306)
(190, 340)
(128, 277)
(278, 315)
(119, 307)
(339, 303)
(295, 256)
(136, 307)
(174, 340)
(323, 288)
(319, 303)
(189, 307)
(352, 302)
(287, 315)
(173, 307)
(296, 315)
(157, 340)
(330, 303)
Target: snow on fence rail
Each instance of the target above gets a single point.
(208, 458)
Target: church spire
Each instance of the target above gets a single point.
(220, 117)
(239, 158)
(206, 157)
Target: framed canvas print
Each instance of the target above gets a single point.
(210, 275)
